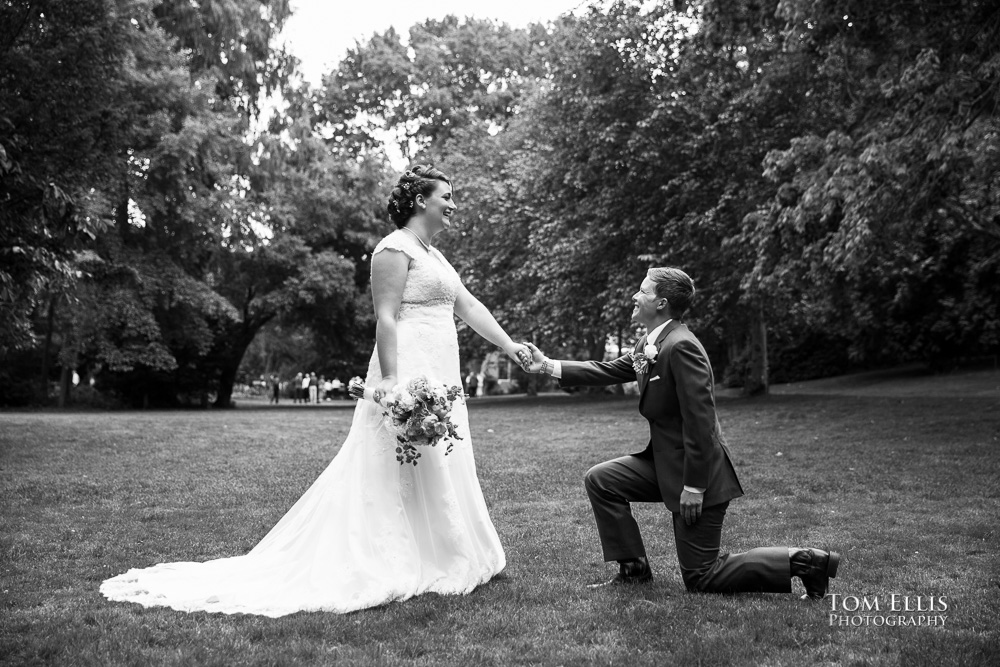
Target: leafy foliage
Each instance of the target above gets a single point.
(59, 134)
(142, 221)
(885, 229)
(825, 170)
(818, 167)
(451, 75)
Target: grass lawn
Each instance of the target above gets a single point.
(905, 485)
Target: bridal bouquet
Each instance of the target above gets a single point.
(418, 413)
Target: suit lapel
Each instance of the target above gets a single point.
(641, 377)
(644, 378)
(638, 346)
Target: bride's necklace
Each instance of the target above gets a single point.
(426, 246)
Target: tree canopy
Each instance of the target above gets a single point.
(826, 171)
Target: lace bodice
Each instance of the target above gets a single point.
(426, 340)
(432, 284)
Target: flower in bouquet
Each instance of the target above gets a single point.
(418, 413)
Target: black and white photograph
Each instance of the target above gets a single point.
(543, 332)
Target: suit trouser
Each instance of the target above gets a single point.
(614, 484)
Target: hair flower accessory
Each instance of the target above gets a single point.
(642, 360)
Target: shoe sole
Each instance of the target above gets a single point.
(832, 563)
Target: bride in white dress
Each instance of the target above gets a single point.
(369, 530)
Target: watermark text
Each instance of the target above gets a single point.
(889, 610)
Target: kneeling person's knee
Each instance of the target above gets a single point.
(595, 478)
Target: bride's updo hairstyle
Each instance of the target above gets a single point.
(417, 180)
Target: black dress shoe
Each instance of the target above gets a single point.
(815, 568)
(634, 571)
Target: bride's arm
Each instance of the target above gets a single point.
(478, 316)
(389, 270)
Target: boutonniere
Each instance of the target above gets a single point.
(642, 360)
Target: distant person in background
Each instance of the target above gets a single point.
(491, 373)
(313, 388)
(472, 384)
(297, 388)
(336, 388)
(305, 387)
(275, 388)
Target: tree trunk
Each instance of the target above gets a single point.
(227, 378)
(47, 349)
(231, 364)
(64, 384)
(757, 382)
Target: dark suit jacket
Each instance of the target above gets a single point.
(677, 397)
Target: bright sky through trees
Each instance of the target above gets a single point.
(320, 32)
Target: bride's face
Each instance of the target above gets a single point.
(440, 204)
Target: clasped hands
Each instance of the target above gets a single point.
(532, 359)
(527, 356)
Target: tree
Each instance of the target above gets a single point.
(451, 75)
(885, 228)
(326, 206)
(143, 323)
(59, 138)
(128, 128)
(232, 41)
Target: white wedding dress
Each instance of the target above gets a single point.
(369, 530)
